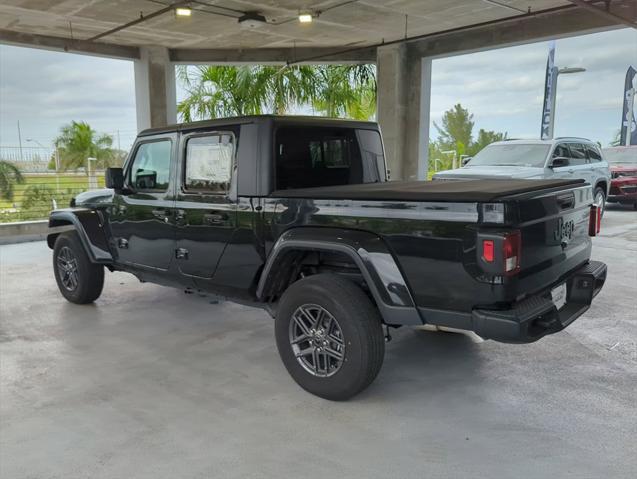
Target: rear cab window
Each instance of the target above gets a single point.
(307, 157)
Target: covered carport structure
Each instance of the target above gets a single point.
(401, 36)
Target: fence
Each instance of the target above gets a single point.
(29, 159)
(41, 192)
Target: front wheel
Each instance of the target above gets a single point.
(79, 280)
(600, 199)
(329, 336)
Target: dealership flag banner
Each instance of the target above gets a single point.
(629, 126)
(548, 111)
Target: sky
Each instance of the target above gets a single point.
(504, 89)
(44, 90)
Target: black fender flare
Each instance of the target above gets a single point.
(89, 226)
(367, 250)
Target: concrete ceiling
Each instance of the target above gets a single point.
(214, 23)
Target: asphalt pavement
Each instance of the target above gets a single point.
(151, 383)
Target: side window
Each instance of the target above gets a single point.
(578, 154)
(593, 153)
(150, 170)
(561, 150)
(209, 161)
(373, 156)
(330, 153)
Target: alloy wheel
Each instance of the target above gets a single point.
(317, 340)
(68, 268)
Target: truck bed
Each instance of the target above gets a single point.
(452, 191)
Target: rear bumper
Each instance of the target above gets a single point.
(537, 316)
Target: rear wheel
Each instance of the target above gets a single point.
(329, 336)
(79, 280)
(600, 199)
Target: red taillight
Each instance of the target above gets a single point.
(498, 252)
(487, 251)
(511, 248)
(594, 220)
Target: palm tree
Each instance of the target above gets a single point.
(218, 91)
(346, 91)
(9, 175)
(78, 141)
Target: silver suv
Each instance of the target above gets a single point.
(538, 159)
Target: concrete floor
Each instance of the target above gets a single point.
(152, 383)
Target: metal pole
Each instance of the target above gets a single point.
(551, 126)
(20, 140)
(57, 169)
(629, 123)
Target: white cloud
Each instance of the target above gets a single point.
(504, 88)
(45, 90)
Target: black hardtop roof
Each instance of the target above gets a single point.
(280, 119)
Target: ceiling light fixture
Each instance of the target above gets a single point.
(305, 17)
(183, 11)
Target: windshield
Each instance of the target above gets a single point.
(511, 155)
(621, 156)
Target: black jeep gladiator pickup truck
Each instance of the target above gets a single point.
(296, 215)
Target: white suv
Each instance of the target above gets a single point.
(539, 159)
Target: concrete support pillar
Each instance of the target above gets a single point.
(155, 94)
(404, 91)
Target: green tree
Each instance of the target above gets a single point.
(617, 140)
(457, 127)
(9, 176)
(456, 134)
(222, 91)
(345, 91)
(485, 137)
(78, 141)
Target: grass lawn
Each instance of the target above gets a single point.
(62, 182)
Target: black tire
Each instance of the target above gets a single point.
(359, 327)
(599, 191)
(89, 277)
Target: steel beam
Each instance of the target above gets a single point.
(68, 45)
(272, 55)
(607, 13)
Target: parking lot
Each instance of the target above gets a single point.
(149, 382)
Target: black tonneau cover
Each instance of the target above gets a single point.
(456, 190)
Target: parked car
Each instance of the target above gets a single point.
(538, 159)
(294, 215)
(623, 169)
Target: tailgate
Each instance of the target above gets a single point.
(554, 230)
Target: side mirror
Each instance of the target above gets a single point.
(466, 160)
(114, 178)
(560, 161)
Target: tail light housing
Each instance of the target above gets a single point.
(500, 253)
(594, 220)
(511, 252)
